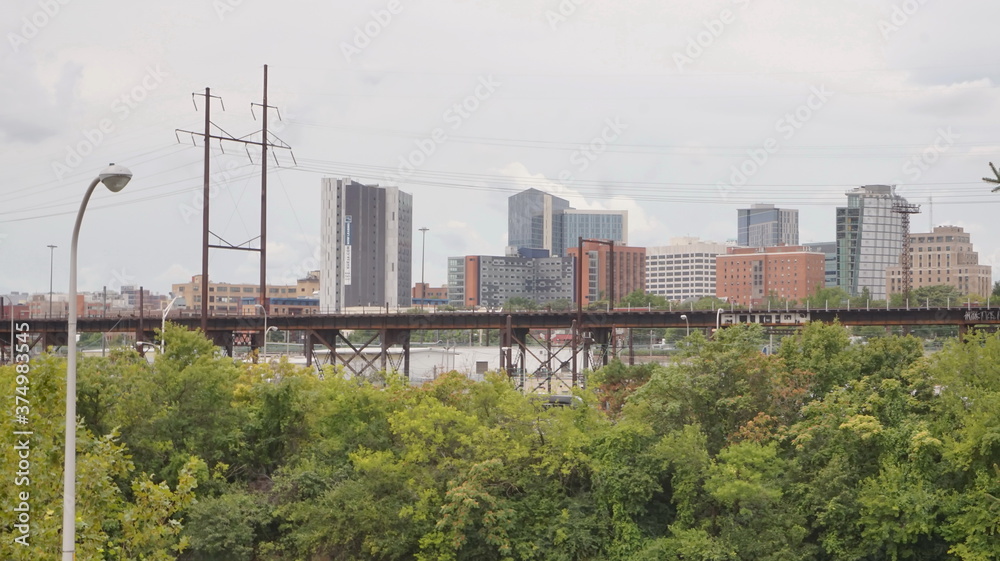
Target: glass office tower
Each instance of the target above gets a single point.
(869, 239)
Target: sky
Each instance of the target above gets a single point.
(679, 112)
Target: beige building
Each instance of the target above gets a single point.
(944, 256)
(227, 298)
(683, 270)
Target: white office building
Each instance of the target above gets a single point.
(684, 269)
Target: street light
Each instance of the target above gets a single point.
(687, 324)
(114, 177)
(163, 324)
(264, 351)
(52, 256)
(718, 319)
(423, 246)
(268, 330)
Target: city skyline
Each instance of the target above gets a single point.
(677, 113)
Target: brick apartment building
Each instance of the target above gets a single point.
(748, 276)
(629, 270)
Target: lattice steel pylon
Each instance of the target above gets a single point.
(906, 258)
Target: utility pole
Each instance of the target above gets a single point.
(52, 253)
(204, 211)
(263, 204)
(247, 141)
(423, 254)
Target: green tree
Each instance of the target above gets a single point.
(834, 297)
(935, 296)
(640, 299)
(561, 305)
(520, 304)
(121, 511)
(708, 303)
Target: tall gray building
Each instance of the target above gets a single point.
(365, 245)
(766, 226)
(869, 239)
(540, 221)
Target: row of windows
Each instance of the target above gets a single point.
(930, 239)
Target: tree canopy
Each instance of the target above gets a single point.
(825, 450)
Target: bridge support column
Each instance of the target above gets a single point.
(575, 331)
(326, 338)
(307, 348)
(603, 336)
(390, 338)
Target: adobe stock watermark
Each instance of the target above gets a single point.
(917, 164)
(121, 278)
(587, 154)
(31, 25)
(900, 16)
(562, 13)
(122, 107)
(365, 34)
(704, 39)
(225, 7)
(455, 116)
(217, 182)
(787, 126)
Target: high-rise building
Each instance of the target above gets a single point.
(766, 226)
(532, 220)
(944, 256)
(751, 275)
(483, 280)
(683, 270)
(593, 224)
(365, 245)
(829, 249)
(540, 221)
(869, 239)
(629, 272)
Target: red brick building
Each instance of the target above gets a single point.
(425, 290)
(629, 270)
(748, 275)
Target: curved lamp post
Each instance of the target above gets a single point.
(163, 322)
(114, 177)
(268, 330)
(718, 319)
(687, 325)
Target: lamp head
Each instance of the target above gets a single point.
(684, 316)
(115, 177)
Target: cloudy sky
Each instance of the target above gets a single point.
(679, 112)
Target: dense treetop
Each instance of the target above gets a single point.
(825, 450)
